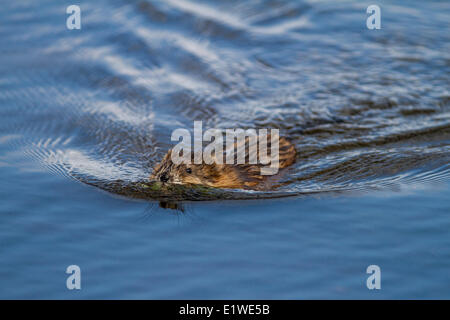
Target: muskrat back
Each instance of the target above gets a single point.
(222, 175)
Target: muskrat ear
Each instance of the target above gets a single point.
(216, 163)
(161, 163)
(168, 155)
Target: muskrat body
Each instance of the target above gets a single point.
(217, 175)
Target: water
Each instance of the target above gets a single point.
(85, 115)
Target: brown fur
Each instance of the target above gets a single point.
(239, 176)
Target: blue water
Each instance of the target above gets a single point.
(294, 248)
(86, 114)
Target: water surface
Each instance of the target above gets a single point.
(92, 110)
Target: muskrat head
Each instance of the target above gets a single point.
(168, 171)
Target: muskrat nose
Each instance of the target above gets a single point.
(164, 177)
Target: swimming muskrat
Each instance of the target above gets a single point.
(230, 176)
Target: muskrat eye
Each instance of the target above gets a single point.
(189, 170)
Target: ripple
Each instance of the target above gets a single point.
(365, 111)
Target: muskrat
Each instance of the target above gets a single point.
(216, 175)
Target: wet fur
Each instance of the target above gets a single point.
(239, 176)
